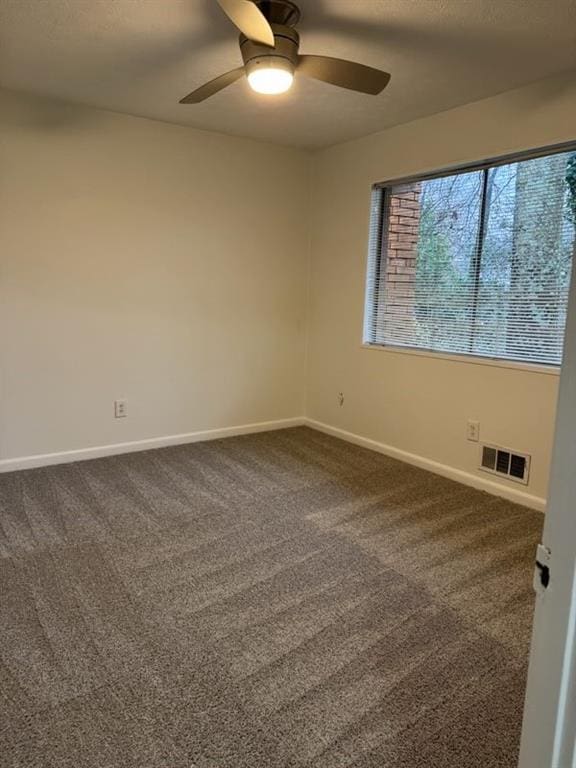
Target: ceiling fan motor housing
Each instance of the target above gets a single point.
(283, 56)
(284, 12)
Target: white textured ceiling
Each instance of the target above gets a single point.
(141, 56)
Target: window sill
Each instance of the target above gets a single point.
(547, 370)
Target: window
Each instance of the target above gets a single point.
(475, 262)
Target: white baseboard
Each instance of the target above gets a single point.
(66, 457)
(83, 454)
(481, 483)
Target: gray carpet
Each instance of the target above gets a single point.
(282, 599)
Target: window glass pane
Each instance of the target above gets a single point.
(430, 241)
(446, 252)
(526, 261)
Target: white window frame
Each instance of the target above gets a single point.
(373, 271)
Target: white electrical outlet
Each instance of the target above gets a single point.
(473, 430)
(120, 409)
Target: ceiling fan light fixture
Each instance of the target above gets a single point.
(270, 76)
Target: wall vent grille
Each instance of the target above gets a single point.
(505, 463)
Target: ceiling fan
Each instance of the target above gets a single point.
(269, 46)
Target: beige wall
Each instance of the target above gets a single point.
(413, 403)
(151, 262)
(146, 261)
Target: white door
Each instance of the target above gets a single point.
(549, 731)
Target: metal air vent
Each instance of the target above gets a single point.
(504, 462)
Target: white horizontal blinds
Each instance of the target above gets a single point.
(431, 248)
(526, 261)
(479, 262)
(374, 265)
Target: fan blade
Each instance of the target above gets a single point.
(346, 74)
(249, 19)
(209, 89)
